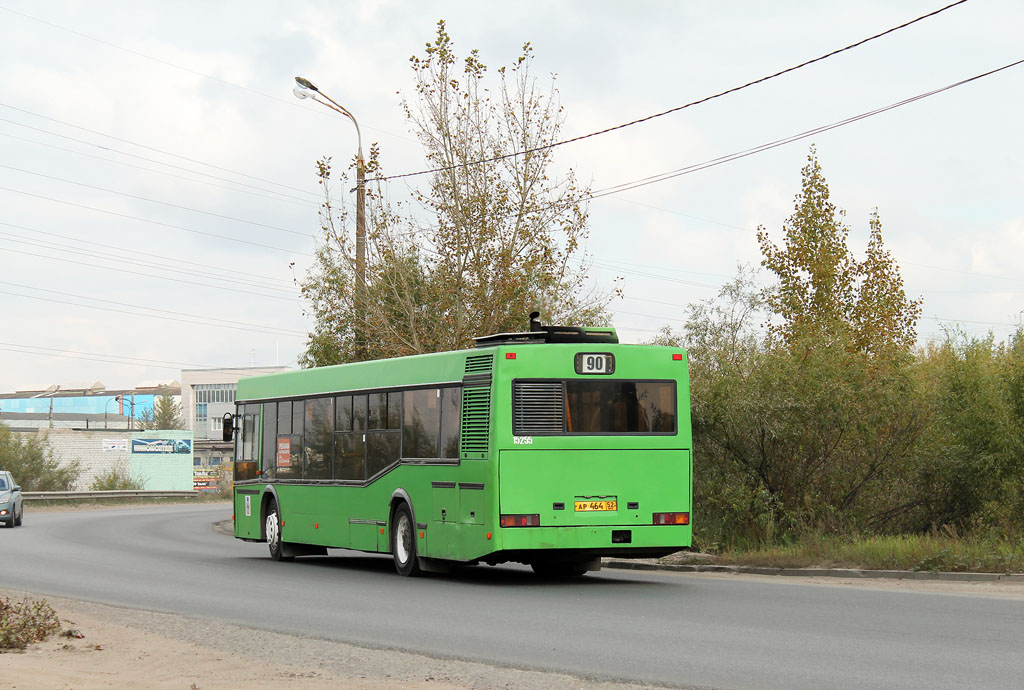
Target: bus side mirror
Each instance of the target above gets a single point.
(228, 431)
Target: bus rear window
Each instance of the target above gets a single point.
(584, 406)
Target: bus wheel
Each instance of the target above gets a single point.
(273, 529)
(560, 569)
(403, 542)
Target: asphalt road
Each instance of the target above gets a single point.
(672, 629)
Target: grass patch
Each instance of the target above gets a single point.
(946, 552)
(24, 622)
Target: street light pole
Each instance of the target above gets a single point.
(306, 89)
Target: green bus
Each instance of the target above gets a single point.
(554, 447)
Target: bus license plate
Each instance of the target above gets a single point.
(584, 506)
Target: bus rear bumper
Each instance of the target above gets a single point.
(626, 541)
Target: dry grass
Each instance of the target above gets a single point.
(940, 551)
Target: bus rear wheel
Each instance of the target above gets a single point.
(403, 542)
(273, 531)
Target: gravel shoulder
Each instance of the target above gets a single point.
(128, 648)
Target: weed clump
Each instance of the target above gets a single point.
(24, 622)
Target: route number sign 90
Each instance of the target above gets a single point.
(599, 363)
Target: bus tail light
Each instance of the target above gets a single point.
(520, 520)
(671, 518)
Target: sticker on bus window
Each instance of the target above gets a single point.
(595, 363)
(284, 452)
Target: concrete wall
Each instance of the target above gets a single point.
(99, 452)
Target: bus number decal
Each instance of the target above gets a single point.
(522, 440)
(595, 363)
(248, 506)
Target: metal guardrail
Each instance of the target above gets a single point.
(92, 495)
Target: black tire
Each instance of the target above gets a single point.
(272, 528)
(403, 541)
(560, 569)
(21, 516)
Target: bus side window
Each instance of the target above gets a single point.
(359, 413)
(422, 424)
(289, 439)
(451, 414)
(319, 438)
(269, 449)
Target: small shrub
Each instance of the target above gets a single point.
(116, 478)
(25, 622)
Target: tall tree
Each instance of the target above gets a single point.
(505, 235)
(824, 294)
(165, 414)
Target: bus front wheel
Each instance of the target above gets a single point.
(403, 541)
(273, 530)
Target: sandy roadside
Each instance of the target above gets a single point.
(128, 648)
(144, 650)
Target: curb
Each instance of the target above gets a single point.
(816, 572)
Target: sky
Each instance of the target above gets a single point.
(158, 197)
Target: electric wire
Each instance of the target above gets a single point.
(119, 263)
(168, 63)
(151, 316)
(96, 357)
(155, 201)
(149, 275)
(677, 108)
(162, 257)
(661, 177)
(156, 222)
(284, 198)
(156, 150)
(255, 326)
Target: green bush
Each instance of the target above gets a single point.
(25, 622)
(116, 478)
(31, 461)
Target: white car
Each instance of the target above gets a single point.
(11, 510)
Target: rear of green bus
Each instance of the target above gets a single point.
(594, 453)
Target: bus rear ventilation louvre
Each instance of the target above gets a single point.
(538, 407)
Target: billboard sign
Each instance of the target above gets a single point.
(153, 446)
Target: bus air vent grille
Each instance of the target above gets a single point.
(479, 364)
(476, 421)
(538, 408)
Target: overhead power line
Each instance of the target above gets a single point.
(95, 357)
(150, 275)
(199, 319)
(154, 201)
(149, 160)
(160, 151)
(152, 316)
(626, 186)
(156, 222)
(168, 63)
(162, 258)
(287, 199)
(677, 108)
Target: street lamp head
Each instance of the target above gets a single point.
(304, 88)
